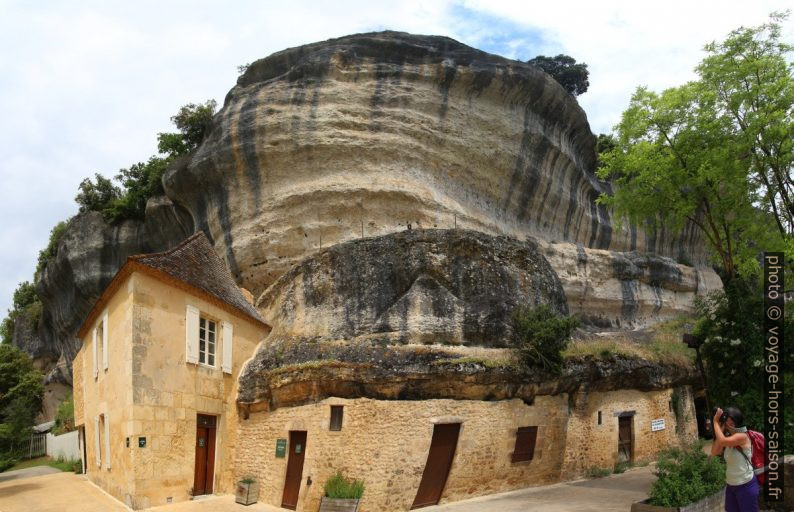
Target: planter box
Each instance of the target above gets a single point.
(713, 503)
(246, 494)
(338, 505)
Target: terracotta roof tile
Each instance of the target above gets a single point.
(196, 263)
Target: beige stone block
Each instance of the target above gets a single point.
(169, 428)
(161, 414)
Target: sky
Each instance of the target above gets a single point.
(86, 86)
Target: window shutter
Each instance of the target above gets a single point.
(94, 348)
(105, 341)
(107, 441)
(96, 443)
(227, 347)
(191, 334)
(525, 444)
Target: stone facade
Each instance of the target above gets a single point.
(386, 443)
(150, 391)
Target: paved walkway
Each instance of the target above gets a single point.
(614, 493)
(67, 492)
(58, 492)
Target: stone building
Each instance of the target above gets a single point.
(156, 377)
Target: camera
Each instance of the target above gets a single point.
(724, 416)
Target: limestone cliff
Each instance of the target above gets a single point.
(89, 254)
(370, 135)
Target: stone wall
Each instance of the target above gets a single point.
(158, 395)
(109, 394)
(386, 443)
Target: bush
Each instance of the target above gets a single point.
(686, 476)
(732, 325)
(77, 467)
(338, 486)
(6, 464)
(541, 334)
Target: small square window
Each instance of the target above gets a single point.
(670, 405)
(337, 412)
(525, 444)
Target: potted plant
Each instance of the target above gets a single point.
(687, 480)
(247, 491)
(341, 494)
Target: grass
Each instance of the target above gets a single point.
(665, 345)
(596, 472)
(60, 463)
(487, 363)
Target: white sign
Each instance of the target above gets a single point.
(657, 425)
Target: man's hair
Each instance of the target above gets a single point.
(736, 415)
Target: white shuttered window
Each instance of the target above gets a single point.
(94, 350)
(97, 444)
(191, 334)
(107, 441)
(228, 335)
(105, 341)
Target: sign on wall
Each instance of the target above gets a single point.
(657, 425)
(281, 448)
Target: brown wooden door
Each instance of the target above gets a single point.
(292, 483)
(439, 461)
(205, 455)
(624, 439)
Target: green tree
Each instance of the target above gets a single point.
(194, 122)
(143, 180)
(51, 250)
(24, 300)
(21, 392)
(754, 87)
(97, 196)
(681, 156)
(566, 71)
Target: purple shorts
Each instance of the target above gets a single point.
(742, 498)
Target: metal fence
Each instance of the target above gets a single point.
(38, 445)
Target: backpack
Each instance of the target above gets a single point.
(758, 461)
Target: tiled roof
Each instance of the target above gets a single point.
(195, 263)
(193, 266)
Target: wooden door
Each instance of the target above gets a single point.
(205, 455)
(292, 482)
(439, 461)
(624, 439)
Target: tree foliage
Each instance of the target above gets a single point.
(541, 335)
(732, 326)
(193, 122)
(682, 155)
(143, 180)
(754, 95)
(25, 301)
(21, 392)
(51, 250)
(566, 71)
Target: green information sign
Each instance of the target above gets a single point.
(281, 448)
